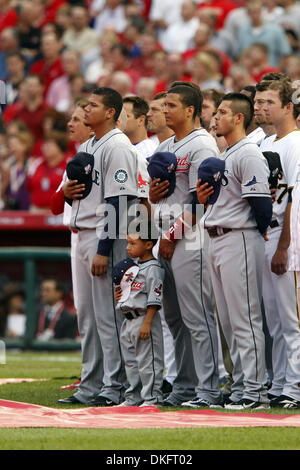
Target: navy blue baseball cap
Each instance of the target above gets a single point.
(80, 168)
(123, 275)
(212, 171)
(163, 165)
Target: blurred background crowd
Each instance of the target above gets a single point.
(54, 52)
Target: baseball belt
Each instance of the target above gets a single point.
(217, 231)
(132, 314)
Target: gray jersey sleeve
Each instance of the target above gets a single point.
(120, 172)
(154, 285)
(253, 175)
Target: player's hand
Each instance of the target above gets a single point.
(145, 331)
(166, 248)
(118, 293)
(73, 190)
(203, 192)
(158, 189)
(273, 194)
(265, 237)
(279, 261)
(99, 265)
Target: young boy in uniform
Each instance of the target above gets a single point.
(141, 331)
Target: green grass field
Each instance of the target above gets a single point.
(61, 369)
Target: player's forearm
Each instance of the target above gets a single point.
(151, 312)
(285, 237)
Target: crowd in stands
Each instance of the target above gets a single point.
(53, 52)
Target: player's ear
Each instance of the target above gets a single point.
(110, 112)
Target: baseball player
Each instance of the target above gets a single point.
(236, 222)
(188, 297)
(141, 332)
(278, 284)
(136, 127)
(157, 125)
(112, 164)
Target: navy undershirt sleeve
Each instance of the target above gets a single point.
(262, 211)
(105, 245)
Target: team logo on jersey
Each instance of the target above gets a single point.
(141, 182)
(88, 169)
(158, 290)
(182, 163)
(252, 182)
(121, 176)
(137, 285)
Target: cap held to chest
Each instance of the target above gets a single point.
(163, 165)
(123, 275)
(212, 171)
(80, 168)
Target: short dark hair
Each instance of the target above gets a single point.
(241, 104)
(140, 106)
(124, 50)
(275, 76)
(251, 89)
(285, 91)
(191, 95)
(111, 99)
(149, 236)
(213, 95)
(160, 95)
(59, 286)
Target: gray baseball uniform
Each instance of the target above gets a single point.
(144, 359)
(279, 292)
(236, 267)
(188, 296)
(115, 173)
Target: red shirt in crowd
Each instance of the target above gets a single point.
(8, 19)
(221, 8)
(43, 181)
(33, 119)
(48, 73)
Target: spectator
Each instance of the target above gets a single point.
(121, 61)
(136, 126)
(50, 67)
(9, 42)
(59, 92)
(45, 174)
(131, 36)
(203, 42)
(178, 36)
(99, 60)
(290, 18)
(80, 36)
(144, 63)
(55, 322)
(292, 67)
(219, 8)
(211, 100)
(8, 15)
(163, 14)
(160, 68)
(14, 316)
(266, 33)
(239, 77)
(258, 61)
(119, 81)
(206, 71)
(145, 88)
(29, 35)
(16, 194)
(63, 17)
(112, 14)
(31, 105)
(176, 72)
(15, 63)
(220, 39)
